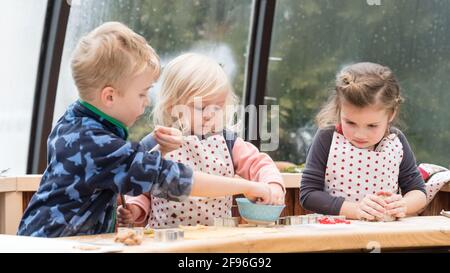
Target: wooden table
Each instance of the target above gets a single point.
(408, 233)
(16, 192)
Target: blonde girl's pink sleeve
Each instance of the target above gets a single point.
(251, 164)
(142, 201)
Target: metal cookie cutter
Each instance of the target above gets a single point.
(281, 221)
(168, 235)
(445, 213)
(227, 222)
(293, 220)
(312, 218)
(337, 217)
(288, 221)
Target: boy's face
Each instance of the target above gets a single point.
(134, 98)
(364, 127)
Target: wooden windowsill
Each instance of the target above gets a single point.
(25, 183)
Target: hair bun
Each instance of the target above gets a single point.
(385, 73)
(347, 79)
(399, 100)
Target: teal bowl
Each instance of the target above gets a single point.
(258, 213)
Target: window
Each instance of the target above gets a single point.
(217, 28)
(313, 39)
(21, 24)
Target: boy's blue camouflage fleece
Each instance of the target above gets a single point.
(89, 164)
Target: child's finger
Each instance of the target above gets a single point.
(262, 201)
(278, 199)
(125, 218)
(175, 132)
(399, 212)
(373, 209)
(122, 212)
(122, 219)
(263, 194)
(161, 138)
(365, 215)
(393, 198)
(373, 204)
(167, 131)
(121, 209)
(168, 145)
(378, 200)
(394, 205)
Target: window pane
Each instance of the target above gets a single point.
(213, 27)
(313, 39)
(21, 25)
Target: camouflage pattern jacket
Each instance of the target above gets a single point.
(89, 163)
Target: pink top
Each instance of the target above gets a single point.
(248, 163)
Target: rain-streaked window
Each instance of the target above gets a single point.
(21, 28)
(217, 28)
(313, 39)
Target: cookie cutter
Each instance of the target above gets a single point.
(293, 220)
(168, 235)
(313, 218)
(227, 221)
(288, 221)
(337, 217)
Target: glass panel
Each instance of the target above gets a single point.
(213, 27)
(313, 39)
(21, 26)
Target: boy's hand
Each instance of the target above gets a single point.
(277, 197)
(128, 215)
(168, 138)
(396, 205)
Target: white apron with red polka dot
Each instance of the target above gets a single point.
(210, 155)
(353, 173)
(436, 177)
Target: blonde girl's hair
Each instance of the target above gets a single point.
(107, 56)
(361, 84)
(193, 75)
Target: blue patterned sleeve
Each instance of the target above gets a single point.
(148, 142)
(127, 168)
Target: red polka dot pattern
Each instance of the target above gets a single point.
(353, 173)
(210, 155)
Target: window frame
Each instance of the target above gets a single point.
(52, 45)
(257, 64)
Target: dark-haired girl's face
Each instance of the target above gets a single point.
(365, 126)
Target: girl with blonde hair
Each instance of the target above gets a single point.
(197, 97)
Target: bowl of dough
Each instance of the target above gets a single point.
(259, 214)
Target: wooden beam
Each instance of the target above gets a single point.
(11, 211)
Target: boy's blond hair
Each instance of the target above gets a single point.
(107, 56)
(193, 75)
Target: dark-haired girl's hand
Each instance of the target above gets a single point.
(371, 208)
(396, 206)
